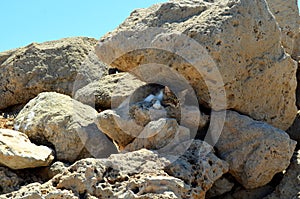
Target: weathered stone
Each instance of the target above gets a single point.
(214, 45)
(242, 193)
(118, 125)
(162, 134)
(9, 181)
(49, 172)
(17, 152)
(221, 186)
(286, 13)
(289, 187)
(254, 150)
(110, 91)
(66, 124)
(139, 174)
(62, 66)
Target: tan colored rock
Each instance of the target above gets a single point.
(110, 91)
(134, 175)
(17, 152)
(254, 150)
(118, 125)
(289, 187)
(286, 13)
(221, 186)
(242, 193)
(162, 134)
(62, 66)
(218, 47)
(66, 124)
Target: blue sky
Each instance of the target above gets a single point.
(27, 21)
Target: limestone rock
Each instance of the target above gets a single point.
(289, 187)
(139, 174)
(9, 181)
(217, 46)
(66, 124)
(221, 186)
(110, 91)
(254, 150)
(287, 15)
(162, 134)
(62, 66)
(118, 125)
(17, 152)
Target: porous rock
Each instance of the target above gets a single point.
(9, 181)
(110, 91)
(139, 174)
(66, 124)
(62, 66)
(17, 152)
(249, 145)
(219, 47)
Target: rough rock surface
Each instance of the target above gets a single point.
(9, 181)
(290, 184)
(287, 15)
(249, 145)
(110, 91)
(162, 134)
(242, 193)
(17, 152)
(61, 66)
(221, 186)
(139, 174)
(294, 130)
(66, 124)
(238, 39)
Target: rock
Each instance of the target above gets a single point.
(109, 92)
(249, 145)
(118, 125)
(66, 124)
(219, 47)
(139, 174)
(221, 186)
(162, 134)
(287, 15)
(9, 181)
(296, 50)
(56, 168)
(242, 193)
(17, 152)
(294, 130)
(62, 66)
(289, 187)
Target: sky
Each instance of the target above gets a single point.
(27, 21)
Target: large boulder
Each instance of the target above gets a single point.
(110, 91)
(139, 174)
(286, 13)
(62, 66)
(219, 47)
(57, 120)
(17, 152)
(254, 150)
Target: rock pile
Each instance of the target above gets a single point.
(192, 102)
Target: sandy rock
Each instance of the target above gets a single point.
(9, 181)
(109, 92)
(221, 186)
(49, 172)
(289, 187)
(17, 152)
(162, 134)
(254, 150)
(118, 125)
(133, 175)
(62, 66)
(235, 45)
(287, 15)
(242, 193)
(66, 124)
